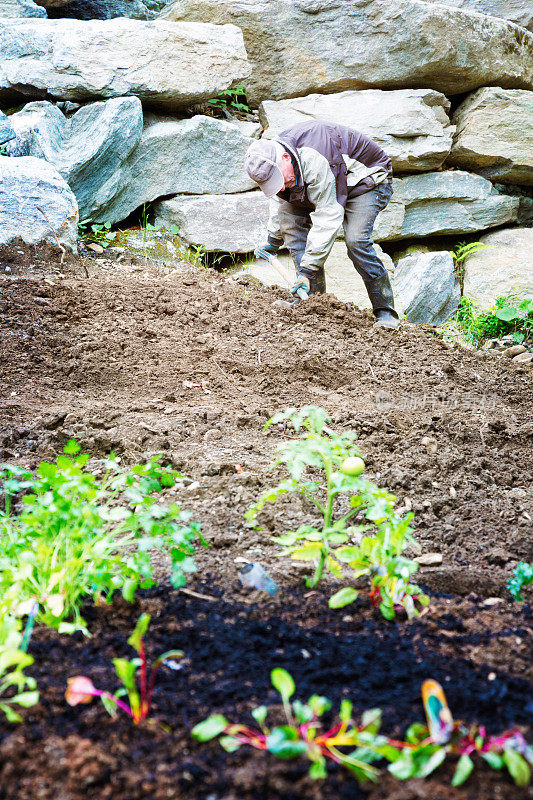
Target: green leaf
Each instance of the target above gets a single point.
(347, 554)
(494, 760)
(283, 682)
(517, 766)
(26, 699)
(371, 720)
(319, 704)
(210, 728)
(465, 765)
(343, 597)
(302, 712)
(71, 448)
(260, 714)
(309, 552)
(229, 743)
(404, 767)
(11, 715)
(345, 712)
(507, 313)
(139, 631)
(428, 765)
(126, 672)
(317, 770)
(285, 742)
(128, 589)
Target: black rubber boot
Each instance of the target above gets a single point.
(382, 299)
(317, 280)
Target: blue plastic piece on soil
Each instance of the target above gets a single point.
(254, 576)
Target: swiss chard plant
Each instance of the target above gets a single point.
(359, 527)
(16, 688)
(344, 742)
(77, 535)
(81, 689)
(427, 747)
(522, 576)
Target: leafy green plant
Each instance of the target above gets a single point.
(461, 252)
(427, 747)
(317, 465)
(98, 231)
(76, 535)
(304, 735)
(503, 319)
(81, 689)
(234, 99)
(16, 688)
(522, 576)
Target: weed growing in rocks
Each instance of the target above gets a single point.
(82, 690)
(77, 535)
(373, 547)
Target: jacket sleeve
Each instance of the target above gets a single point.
(273, 226)
(328, 215)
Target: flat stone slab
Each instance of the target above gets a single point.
(231, 223)
(164, 63)
(298, 47)
(494, 135)
(518, 11)
(201, 155)
(503, 269)
(411, 125)
(443, 203)
(28, 187)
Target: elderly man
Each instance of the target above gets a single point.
(320, 176)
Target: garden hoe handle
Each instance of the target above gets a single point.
(260, 253)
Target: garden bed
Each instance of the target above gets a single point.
(191, 364)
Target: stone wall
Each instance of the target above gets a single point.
(109, 104)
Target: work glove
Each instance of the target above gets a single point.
(301, 282)
(273, 246)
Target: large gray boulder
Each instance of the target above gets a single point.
(232, 223)
(301, 46)
(20, 8)
(518, 11)
(201, 155)
(503, 269)
(427, 287)
(103, 9)
(36, 203)
(164, 63)
(87, 149)
(452, 202)
(495, 135)
(411, 125)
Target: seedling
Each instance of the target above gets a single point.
(98, 231)
(16, 688)
(77, 535)
(522, 576)
(429, 746)
(234, 99)
(325, 468)
(82, 690)
(304, 735)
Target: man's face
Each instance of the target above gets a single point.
(287, 170)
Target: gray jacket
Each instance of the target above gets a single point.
(332, 163)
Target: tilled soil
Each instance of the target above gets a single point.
(191, 364)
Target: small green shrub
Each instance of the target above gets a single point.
(321, 454)
(77, 535)
(232, 99)
(506, 318)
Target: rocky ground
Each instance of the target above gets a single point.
(191, 363)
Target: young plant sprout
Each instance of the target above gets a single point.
(522, 576)
(304, 734)
(326, 468)
(81, 689)
(443, 736)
